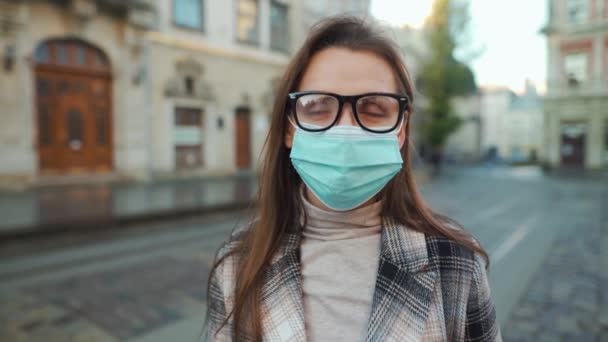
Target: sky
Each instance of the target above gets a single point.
(506, 31)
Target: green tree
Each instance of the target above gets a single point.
(443, 76)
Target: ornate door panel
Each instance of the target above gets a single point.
(101, 123)
(74, 120)
(243, 138)
(48, 125)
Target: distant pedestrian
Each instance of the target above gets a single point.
(342, 246)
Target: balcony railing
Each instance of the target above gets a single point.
(566, 27)
(572, 87)
(140, 13)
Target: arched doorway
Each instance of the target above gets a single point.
(73, 107)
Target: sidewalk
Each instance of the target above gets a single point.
(572, 173)
(94, 206)
(62, 208)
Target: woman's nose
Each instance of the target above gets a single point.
(347, 117)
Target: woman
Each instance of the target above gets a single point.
(342, 247)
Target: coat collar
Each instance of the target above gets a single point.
(402, 291)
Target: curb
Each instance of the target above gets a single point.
(112, 223)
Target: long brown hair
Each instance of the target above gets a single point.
(278, 201)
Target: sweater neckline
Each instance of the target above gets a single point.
(322, 224)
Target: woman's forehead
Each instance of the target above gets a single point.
(347, 72)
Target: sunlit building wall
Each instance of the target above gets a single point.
(511, 124)
(464, 145)
(576, 106)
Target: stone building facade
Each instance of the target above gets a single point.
(576, 105)
(511, 124)
(145, 88)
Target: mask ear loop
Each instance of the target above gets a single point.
(290, 115)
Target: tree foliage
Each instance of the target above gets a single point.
(443, 76)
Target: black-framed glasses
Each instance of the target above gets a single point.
(377, 112)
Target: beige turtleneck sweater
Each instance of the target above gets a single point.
(339, 256)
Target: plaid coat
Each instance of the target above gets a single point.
(428, 288)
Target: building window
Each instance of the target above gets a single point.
(61, 50)
(81, 58)
(188, 137)
(73, 53)
(75, 126)
(188, 13)
(102, 122)
(575, 67)
(189, 85)
(551, 10)
(247, 23)
(577, 10)
(45, 134)
(42, 55)
(279, 30)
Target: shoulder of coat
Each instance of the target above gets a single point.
(450, 254)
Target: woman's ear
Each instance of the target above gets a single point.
(289, 131)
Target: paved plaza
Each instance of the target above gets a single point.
(547, 237)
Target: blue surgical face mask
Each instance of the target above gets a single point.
(345, 166)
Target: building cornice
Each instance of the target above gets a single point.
(198, 46)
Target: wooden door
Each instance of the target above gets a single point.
(73, 104)
(74, 123)
(573, 144)
(243, 138)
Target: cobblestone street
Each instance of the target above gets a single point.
(546, 236)
(568, 300)
(127, 288)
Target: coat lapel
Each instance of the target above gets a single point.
(282, 306)
(404, 286)
(402, 293)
